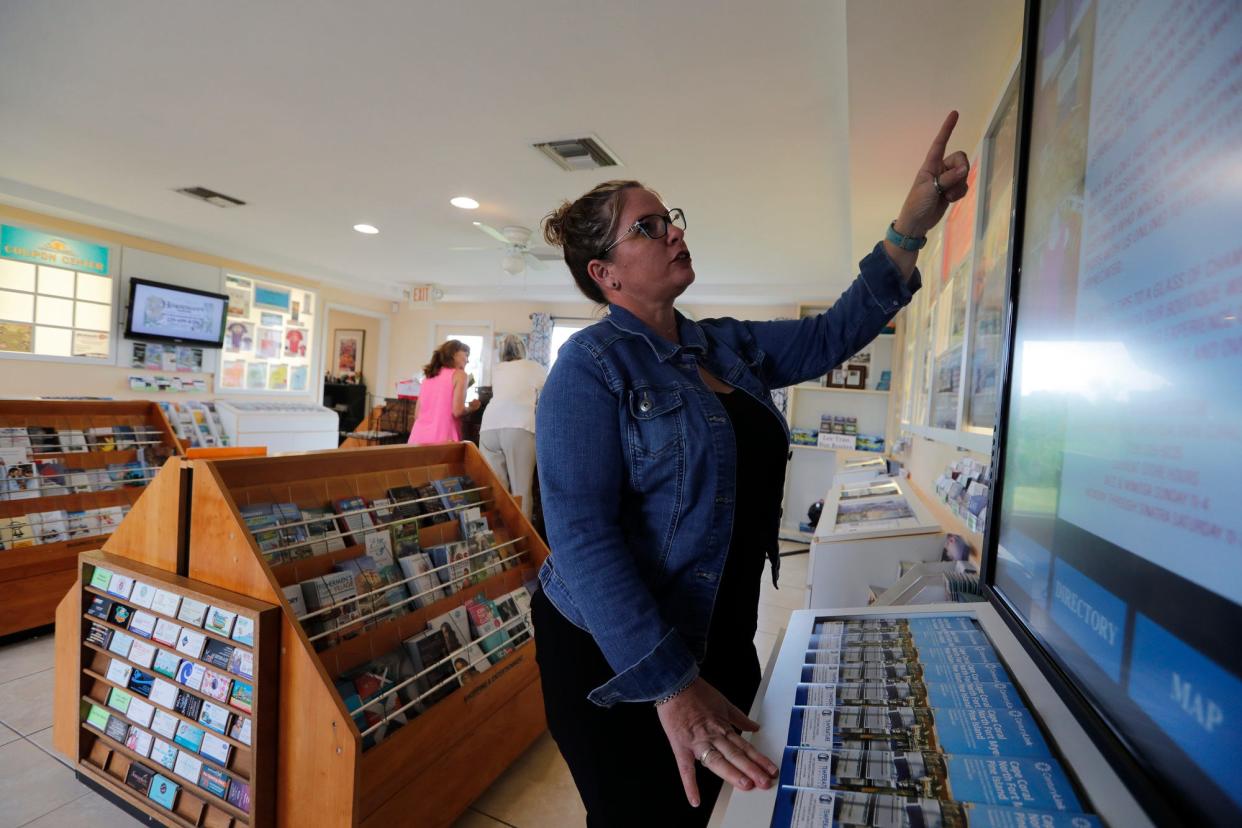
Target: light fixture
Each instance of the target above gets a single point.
(513, 264)
(464, 202)
(369, 229)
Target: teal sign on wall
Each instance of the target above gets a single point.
(57, 251)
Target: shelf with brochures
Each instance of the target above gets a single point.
(399, 581)
(403, 576)
(71, 471)
(917, 716)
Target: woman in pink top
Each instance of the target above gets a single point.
(442, 398)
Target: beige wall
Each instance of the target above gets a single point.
(35, 378)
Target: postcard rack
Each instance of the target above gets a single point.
(436, 764)
(36, 576)
(157, 655)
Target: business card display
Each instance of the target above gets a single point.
(172, 670)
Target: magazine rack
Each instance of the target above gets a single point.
(34, 578)
(433, 767)
(107, 761)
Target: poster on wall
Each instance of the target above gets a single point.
(90, 344)
(270, 297)
(233, 374)
(278, 378)
(256, 375)
(268, 344)
(268, 338)
(347, 345)
(239, 337)
(18, 337)
(238, 291)
(295, 342)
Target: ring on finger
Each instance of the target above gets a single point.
(936, 184)
(707, 753)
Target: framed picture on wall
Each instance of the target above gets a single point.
(347, 345)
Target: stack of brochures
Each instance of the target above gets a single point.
(915, 722)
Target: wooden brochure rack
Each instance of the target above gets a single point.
(34, 578)
(429, 770)
(117, 689)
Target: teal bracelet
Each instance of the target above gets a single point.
(904, 242)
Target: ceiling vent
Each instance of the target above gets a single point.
(211, 197)
(579, 153)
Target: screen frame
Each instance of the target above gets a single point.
(138, 336)
(1143, 782)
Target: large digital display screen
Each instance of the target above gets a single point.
(1119, 521)
(172, 314)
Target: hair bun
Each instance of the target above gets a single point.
(554, 225)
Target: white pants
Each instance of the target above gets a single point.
(511, 454)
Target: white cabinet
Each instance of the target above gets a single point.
(810, 470)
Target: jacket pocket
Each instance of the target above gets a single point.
(657, 421)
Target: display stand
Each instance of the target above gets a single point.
(848, 559)
(34, 578)
(428, 771)
(227, 780)
(1103, 790)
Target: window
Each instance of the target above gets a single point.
(55, 312)
(478, 338)
(562, 331)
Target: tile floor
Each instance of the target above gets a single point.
(38, 789)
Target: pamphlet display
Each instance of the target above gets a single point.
(402, 576)
(184, 731)
(914, 718)
(69, 473)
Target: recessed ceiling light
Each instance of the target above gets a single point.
(464, 202)
(369, 229)
(477, 223)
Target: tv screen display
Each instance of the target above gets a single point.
(166, 313)
(1118, 524)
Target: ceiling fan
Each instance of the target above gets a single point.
(518, 253)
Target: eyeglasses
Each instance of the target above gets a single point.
(654, 226)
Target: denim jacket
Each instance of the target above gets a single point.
(636, 460)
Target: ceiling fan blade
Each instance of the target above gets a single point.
(492, 231)
(533, 262)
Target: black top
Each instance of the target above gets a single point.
(762, 452)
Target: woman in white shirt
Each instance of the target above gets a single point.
(507, 434)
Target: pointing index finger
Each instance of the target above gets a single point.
(935, 155)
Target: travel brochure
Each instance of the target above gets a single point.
(960, 750)
(267, 338)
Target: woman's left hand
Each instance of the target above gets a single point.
(926, 204)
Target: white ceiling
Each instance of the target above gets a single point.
(787, 130)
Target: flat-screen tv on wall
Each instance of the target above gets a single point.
(1115, 538)
(168, 313)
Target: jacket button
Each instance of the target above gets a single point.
(722, 499)
(715, 418)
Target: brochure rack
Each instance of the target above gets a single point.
(241, 757)
(1101, 791)
(35, 577)
(431, 768)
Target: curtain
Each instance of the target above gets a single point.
(540, 347)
